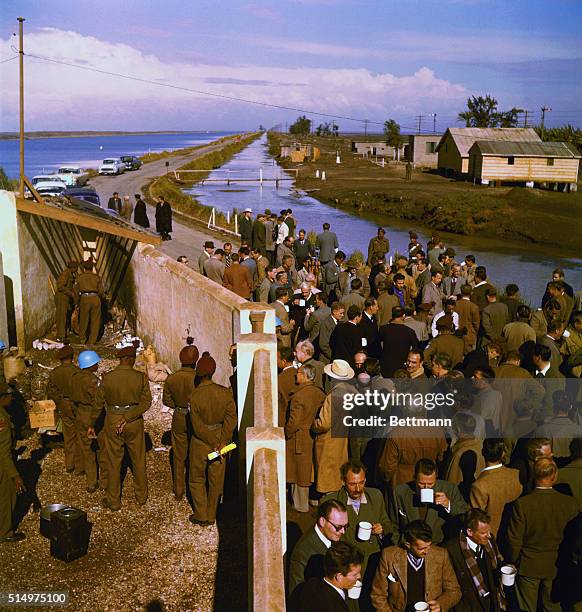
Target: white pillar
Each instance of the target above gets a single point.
(323, 175)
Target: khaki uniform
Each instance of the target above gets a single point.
(64, 295)
(7, 474)
(91, 291)
(213, 417)
(88, 403)
(59, 390)
(177, 390)
(127, 395)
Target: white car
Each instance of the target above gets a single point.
(73, 176)
(50, 188)
(112, 165)
(47, 178)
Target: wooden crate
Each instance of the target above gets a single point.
(43, 414)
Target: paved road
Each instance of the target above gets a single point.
(186, 240)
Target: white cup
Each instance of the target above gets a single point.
(508, 573)
(427, 497)
(364, 531)
(354, 592)
(421, 605)
(301, 303)
(364, 341)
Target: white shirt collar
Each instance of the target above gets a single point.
(320, 535)
(545, 370)
(479, 284)
(492, 467)
(340, 591)
(472, 545)
(363, 500)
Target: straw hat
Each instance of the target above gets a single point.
(339, 369)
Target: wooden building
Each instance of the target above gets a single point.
(556, 163)
(377, 147)
(453, 148)
(422, 149)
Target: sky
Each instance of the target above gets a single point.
(362, 59)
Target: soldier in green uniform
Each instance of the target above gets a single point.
(10, 481)
(177, 390)
(88, 401)
(127, 395)
(213, 417)
(378, 247)
(66, 297)
(91, 290)
(59, 390)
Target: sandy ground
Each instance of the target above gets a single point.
(140, 558)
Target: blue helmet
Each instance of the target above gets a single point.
(2, 345)
(87, 359)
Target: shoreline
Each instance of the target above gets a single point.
(80, 134)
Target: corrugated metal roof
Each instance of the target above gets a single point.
(465, 137)
(526, 149)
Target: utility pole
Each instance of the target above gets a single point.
(525, 118)
(21, 56)
(545, 109)
(419, 117)
(434, 116)
(365, 127)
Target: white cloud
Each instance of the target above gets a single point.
(69, 98)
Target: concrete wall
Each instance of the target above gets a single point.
(417, 151)
(3, 313)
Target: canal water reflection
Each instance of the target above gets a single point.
(527, 265)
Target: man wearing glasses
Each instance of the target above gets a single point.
(307, 557)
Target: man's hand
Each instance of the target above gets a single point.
(377, 529)
(292, 323)
(19, 484)
(91, 433)
(434, 606)
(441, 499)
(120, 427)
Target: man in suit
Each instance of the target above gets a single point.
(205, 255)
(259, 235)
(245, 226)
(214, 267)
(560, 429)
(549, 375)
(551, 339)
(386, 302)
(497, 485)
(304, 352)
(397, 340)
(285, 249)
(114, 202)
(346, 338)
(494, 317)
(369, 328)
(315, 317)
(287, 326)
(302, 249)
(512, 300)
(327, 243)
(238, 279)
(331, 274)
(326, 329)
(140, 212)
(342, 569)
(405, 504)
(446, 342)
(286, 383)
(478, 296)
(354, 297)
(248, 262)
(476, 561)
(415, 572)
(469, 318)
(378, 246)
(270, 225)
(432, 293)
(515, 333)
(452, 284)
(536, 530)
(307, 556)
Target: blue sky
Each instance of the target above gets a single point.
(359, 58)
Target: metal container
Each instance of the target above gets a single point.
(45, 517)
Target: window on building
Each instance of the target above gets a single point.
(430, 147)
(550, 161)
(511, 161)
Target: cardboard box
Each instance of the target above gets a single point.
(43, 414)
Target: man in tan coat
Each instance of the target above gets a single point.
(65, 297)
(415, 572)
(497, 485)
(285, 329)
(177, 390)
(445, 342)
(286, 383)
(305, 404)
(126, 392)
(237, 278)
(91, 290)
(469, 318)
(213, 417)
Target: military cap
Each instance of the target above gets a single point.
(189, 355)
(126, 351)
(66, 352)
(206, 366)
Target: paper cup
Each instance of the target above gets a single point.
(302, 303)
(427, 497)
(421, 605)
(364, 531)
(508, 573)
(354, 592)
(364, 341)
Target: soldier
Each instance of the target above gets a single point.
(88, 403)
(177, 390)
(213, 417)
(378, 247)
(66, 297)
(59, 390)
(91, 290)
(127, 396)
(10, 481)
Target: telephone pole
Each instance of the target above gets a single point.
(365, 127)
(434, 116)
(545, 109)
(419, 117)
(526, 112)
(21, 56)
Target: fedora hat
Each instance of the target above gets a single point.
(339, 369)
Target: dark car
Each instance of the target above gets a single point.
(87, 194)
(131, 162)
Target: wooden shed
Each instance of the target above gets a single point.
(529, 162)
(453, 148)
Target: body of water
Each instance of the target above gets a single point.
(48, 154)
(529, 266)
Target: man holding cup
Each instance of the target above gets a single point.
(426, 498)
(415, 576)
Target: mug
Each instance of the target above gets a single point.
(301, 303)
(364, 341)
(427, 496)
(421, 606)
(508, 573)
(364, 531)
(354, 592)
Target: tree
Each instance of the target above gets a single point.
(323, 129)
(482, 112)
(565, 133)
(302, 126)
(393, 137)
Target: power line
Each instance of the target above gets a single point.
(8, 60)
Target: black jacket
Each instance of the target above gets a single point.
(163, 218)
(318, 596)
(397, 340)
(140, 215)
(345, 340)
(369, 329)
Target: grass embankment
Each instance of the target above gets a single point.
(150, 157)
(172, 190)
(433, 201)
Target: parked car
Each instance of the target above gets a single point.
(131, 162)
(51, 188)
(44, 178)
(73, 176)
(87, 194)
(112, 165)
